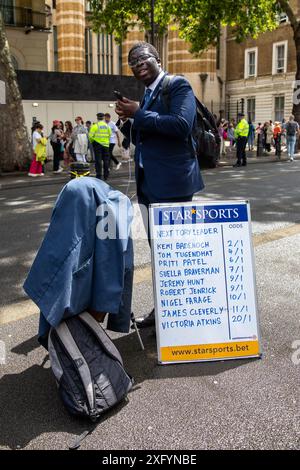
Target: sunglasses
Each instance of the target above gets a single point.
(140, 60)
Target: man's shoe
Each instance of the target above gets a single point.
(244, 164)
(149, 320)
(236, 165)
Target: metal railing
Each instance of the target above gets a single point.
(24, 17)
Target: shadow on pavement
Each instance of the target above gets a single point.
(27, 346)
(143, 365)
(31, 405)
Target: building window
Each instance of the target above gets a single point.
(251, 62)
(7, 10)
(105, 57)
(280, 57)
(55, 49)
(251, 109)
(88, 50)
(279, 108)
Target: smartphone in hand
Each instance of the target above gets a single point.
(118, 94)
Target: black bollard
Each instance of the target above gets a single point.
(78, 169)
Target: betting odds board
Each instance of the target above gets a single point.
(204, 281)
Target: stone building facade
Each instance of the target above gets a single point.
(68, 44)
(255, 76)
(28, 28)
(260, 74)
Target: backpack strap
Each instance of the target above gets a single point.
(165, 91)
(78, 359)
(102, 336)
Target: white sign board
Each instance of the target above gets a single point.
(2, 92)
(204, 283)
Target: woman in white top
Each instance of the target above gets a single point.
(36, 168)
(80, 140)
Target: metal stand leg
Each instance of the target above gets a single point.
(137, 331)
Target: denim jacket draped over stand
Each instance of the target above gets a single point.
(77, 266)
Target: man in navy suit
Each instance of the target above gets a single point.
(166, 166)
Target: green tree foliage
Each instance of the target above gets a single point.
(198, 21)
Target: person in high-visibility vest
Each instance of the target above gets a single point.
(99, 136)
(241, 133)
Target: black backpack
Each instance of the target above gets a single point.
(205, 133)
(290, 129)
(87, 366)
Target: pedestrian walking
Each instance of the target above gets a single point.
(80, 140)
(283, 136)
(114, 138)
(241, 134)
(99, 136)
(222, 128)
(230, 135)
(56, 141)
(277, 138)
(68, 146)
(166, 164)
(269, 136)
(91, 158)
(36, 166)
(292, 130)
(251, 136)
(259, 140)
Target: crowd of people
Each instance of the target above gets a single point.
(278, 135)
(81, 142)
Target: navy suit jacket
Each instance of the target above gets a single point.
(163, 139)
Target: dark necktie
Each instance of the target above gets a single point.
(147, 97)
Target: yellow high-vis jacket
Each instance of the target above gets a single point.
(242, 129)
(100, 132)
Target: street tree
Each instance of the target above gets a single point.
(199, 22)
(15, 148)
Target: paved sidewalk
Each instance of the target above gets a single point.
(230, 157)
(237, 404)
(20, 179)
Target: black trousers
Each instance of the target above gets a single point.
(241, 150)
(101, 154)
(278, 145)
(56, 154)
